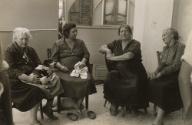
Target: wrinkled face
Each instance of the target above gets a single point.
(73, 33)
(125, 34)
(167, 36)
(22, 40)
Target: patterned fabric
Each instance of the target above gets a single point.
(170, 59)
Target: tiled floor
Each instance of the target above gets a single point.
(103, 116)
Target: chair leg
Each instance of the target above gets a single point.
(145, 110)
(87, 101)
(58, 103)
(41, 110)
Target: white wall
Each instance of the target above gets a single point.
(33, 14)
(151, 18)
(40, 16)
(182, 19)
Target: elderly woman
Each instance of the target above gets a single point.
(5, 96)
(72, 57)
(163, 86)
(126, 83)
(26, 92)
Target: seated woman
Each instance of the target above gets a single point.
(163, 86)
(126, 83)
(72, 57)
(25, 92)
(6, 117)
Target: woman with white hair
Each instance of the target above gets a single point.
(22, 60)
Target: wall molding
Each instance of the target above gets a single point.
(32, 30)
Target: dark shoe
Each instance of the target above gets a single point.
(72, 116)
(49, 113)
(91, 114)
(113, 110)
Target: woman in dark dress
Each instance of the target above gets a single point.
(67, 53)
(22, 60)
(6, 117)
(163, 86)
(126, 83)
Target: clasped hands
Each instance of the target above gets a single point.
(154, 75)
(1, 89)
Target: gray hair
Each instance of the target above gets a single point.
(18, 32)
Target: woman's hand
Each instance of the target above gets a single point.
(61, 67)
(31, 78)
(158, 75)
(79, 65)
(64, 68)
(1, 89)
(154, 75)
(44, 80)
(104, 49)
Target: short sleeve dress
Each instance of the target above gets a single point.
(61, 52)
(126, 82)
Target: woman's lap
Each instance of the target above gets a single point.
(122, 91)
(26, 96)
(164, 92)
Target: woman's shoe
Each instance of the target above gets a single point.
(91, 114)
(73, 116)
(49, 113)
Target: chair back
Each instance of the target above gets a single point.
(109, 64)
(49, 53)
(158, 57)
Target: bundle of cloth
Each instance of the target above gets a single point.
(78, 71)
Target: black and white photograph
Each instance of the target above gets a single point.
(95, 62)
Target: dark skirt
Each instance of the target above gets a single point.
(126, 84)
(3, 118)
(25, 96)
(6, 117)
(76, 87)
(164, 92)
